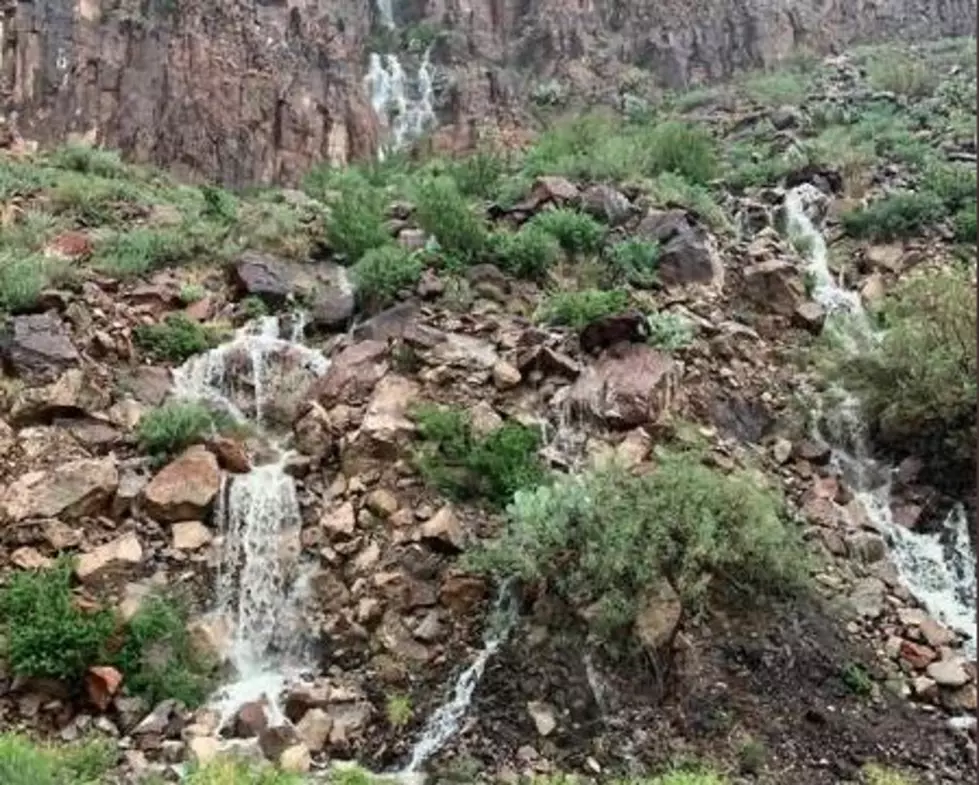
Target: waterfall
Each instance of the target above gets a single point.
(261, 582)
(939, 569)
(406, 109)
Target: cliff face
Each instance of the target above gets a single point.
(249, 91)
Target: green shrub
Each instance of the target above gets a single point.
(895, 216)
(398, 710)
(478, 175)
(22, 762)
(964, 223)
(603, 538)
(157, 658)
(917, 385)
(357, 221)
(669, 332)
(176, 425)
(576, 232)
(856, 679)
(683, 149)
(467, 466)
(45, 634)
(139, 251)
(383, 272)
(192, 293)
(776, 89)
(578, 309)
(176, 339)
(23, 277)
(634, 261)
(954, 184)
(895, 72)
(528, 253)
(875, 774)
(442, 211)
(89, 160)
(219, 205)
(232, 771)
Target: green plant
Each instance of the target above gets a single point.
(478, 175)
(157, 657)
(231, 771)
(253, 307)
(46, 635)
(634, 261)
(578, 309)
(467, 466)
(954, 184)
(442, 211)
(604, 538)
(143, 250)
(774, 89)
(357, 223)
(576, 232)
(856, 679)
(23, 277)
(896, 72)
(23, 762)
(192, 293)
(398, 710)
(964, 223)
(875, 774)
(382, 273)
(170, 428)
(669, 331)
(682, 149)
(176, 339)
(751, 756)
(895, 216)
(89, 160)
(528, 253)
(219, 205)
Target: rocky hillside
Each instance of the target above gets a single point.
(246, 93)
(569, 407)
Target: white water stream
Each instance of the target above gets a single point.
(261, 582)
(405, 107)
(938, 568)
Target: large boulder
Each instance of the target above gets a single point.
(353, 375)
(70, 491)
(114, 557)
(185, 488)
(38, 346)
(687, 252)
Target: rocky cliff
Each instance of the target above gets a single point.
(249, 92)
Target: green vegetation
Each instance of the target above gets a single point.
(576, 232)
(230, 771)
(856, 679)
(634, 261)
(684, 522)
(357, 221)
(398, 711)
(176, 339)
(669, 332)
(176, 425)
(383, 272)
(45, 632)
(527, 253)
(895, 216)
(22, 762)
(581, 308)
(468, 466)
(442, 211)
(874, 774)
(903, 73)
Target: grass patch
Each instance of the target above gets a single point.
(230, 771)
(576, 232)
(23, 762)
(875, 774)
(357, 222)
(903, 74)
(579, 309)
(776, 89)
(382, 273)
(466, 466)
(602, 538)
(176, 338)
(527, 253)
(171, 428)
(24, 276)
(897, 215)
(398, 710)
(634, 261)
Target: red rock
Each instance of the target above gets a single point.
(916, 655)
(231, 454)
(353, 374)
(251, 720)
(102, 683)
(185, 488)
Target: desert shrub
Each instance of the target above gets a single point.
(527, 253)
(634, 261)
(602, 538)
(442, 211)
(23, 762)
(23, 277)
(669, 331)
(219, 205)
(683, 149)
(357, 221)
(383, 272)
(232, 771)
(954, 184)
(176, 425)
(897, 215)
(466, 466)
(45, 633)
(576, 232)
(157, 657)
(176, 338)
(138, 251)
(578, 309)
(917, 385)
(672, 190)
(478, 175)
(85, 159)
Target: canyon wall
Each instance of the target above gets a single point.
(256, 91)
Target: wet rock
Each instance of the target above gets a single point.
(71, 491)
(190, 535)
(606, 204)
(250, 720)
(314, 729)
(658, 617)
(185, 488)
(775, 286)
(119, 555)
(350, 720)
(543, 717)
(38, 346)
(102, 683)
(817, 453)
(164, 722)
(687, 255)
(231, 454)
(611, 330)
(866, 547)
(936, 634)
(810, 316)
(353, 375)
(313, 436)
(625, 388)
(547, 362)
(209, 638)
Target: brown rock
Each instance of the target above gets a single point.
(102, 683)
(250, 720)
(687, 254)
(386, 426)
(312, 431)
(505, 376)
(190, 535)
(547, 362)
(610, 330)
(606, 204)
(397, 639)
(382, 503)
(810, 316)
(444, 528)
(626, 388)
(340, 522)
(71, 491)
(774, 285)
(949, 673)
(274, 741)
(120, 554)
(296, 759)
(231, 454)
(553, 189)
(38, 346)
(314, 729)
(658, 617)
(70, 246)
(185, 488)
(28, 558)
(353, 375)
(936, 634)
(461, 593)
(916, 655)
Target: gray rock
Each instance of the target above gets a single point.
(38, 346)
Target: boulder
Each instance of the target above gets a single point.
(118, 555)
(606, 204)
(38, 346)
(627, 387)
(608, 331)
(444, 529)
(775, 285)
(352, 376)
(386, 427)
(231, 454)
(68, 492)
(102, 683)
(263, 275)
(190, 535)
(687, 255)
(251, 720)
(314, 729)
(185, 488)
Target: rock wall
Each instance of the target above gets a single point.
(249, 91)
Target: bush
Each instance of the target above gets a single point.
(964, 223)
(603, 538)
(89, 160)
(478, 175)
(880, 775)
(917, 386)
(176, 339)
(954, 184)
(682, 149)
(157, 658)
(898, 73)
(578, 309)
(467, 466)
(46, 635)
(895, 216)
(230, 771)
(176, 425)
(528, 253)
(442, 211)
(669, 332)
(576, 232)
(383, 272)
(357, 221)
(23, 762)
(634, 261)
(139, 251)
(23, 276)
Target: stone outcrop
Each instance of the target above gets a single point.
(249, 93)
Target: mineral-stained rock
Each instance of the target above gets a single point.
(68, 492)
(185, 488)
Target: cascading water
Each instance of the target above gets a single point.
(261, 583)
(937, 568)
